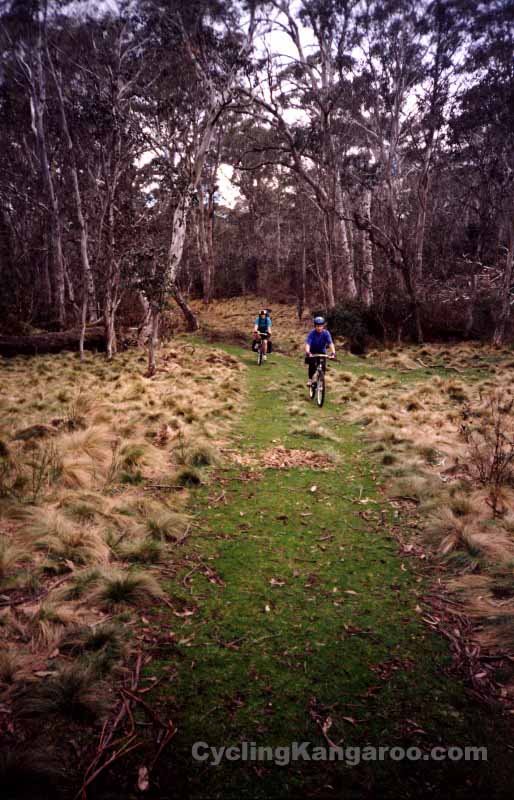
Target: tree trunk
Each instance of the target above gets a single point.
(504, 297)
(329, 267)
(56, 342)
(205, 243)
(470, 316)
(189, 315)
(37, 89)
(347, 285)
(366, 289)
(303, 275)
(89, 286)
(83, 323)
(153, 339)
(145, 327)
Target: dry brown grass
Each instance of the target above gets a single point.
(416, 431)
(73, 500)
(234, 318)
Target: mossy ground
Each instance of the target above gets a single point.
(307, 610)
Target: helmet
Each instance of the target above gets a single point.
(319, 320)
(262, 311)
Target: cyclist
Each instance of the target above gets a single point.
(316, 343)
(262, 329)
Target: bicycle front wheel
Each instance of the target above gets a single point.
(259, 356)
(320, 391)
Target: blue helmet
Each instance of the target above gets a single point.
(319, 320)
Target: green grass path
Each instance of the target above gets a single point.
(302, 607)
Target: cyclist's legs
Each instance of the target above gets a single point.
(312, 367)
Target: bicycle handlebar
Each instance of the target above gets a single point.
(319, 355)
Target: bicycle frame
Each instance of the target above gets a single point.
(260, 350)
(317, 387)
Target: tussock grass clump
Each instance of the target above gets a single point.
(81, 583)
(132, 455)
(9, 666)
(297, 411)
(118, 588)
(189, 476)
(417, 486)
(100, 647)
(201, 454)
(430, 454)
(9, 555)
(84, 507)
(72, 693)
(457, 392)
(94, 442)
(50, 619)
(147, 551)
(446, 531)
(164, 524)
(461, 506)
(63, 541)
(196, 453)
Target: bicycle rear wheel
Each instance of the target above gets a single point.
(312, 390)
(320, 390)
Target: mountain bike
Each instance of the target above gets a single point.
(260, 350)
(317, 387)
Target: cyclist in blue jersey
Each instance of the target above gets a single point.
(262, 329)
(316, 343)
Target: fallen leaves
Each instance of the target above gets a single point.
(282, 458)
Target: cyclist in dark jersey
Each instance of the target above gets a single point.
(262, 329)
(316, 343)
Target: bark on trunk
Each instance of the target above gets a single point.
(153, 339)
(145, 327)
(470, 316)
(189, 315)
(366, 254)
(504, 298)
(329, 267)
(303, 275)
(348, 286)
(205, 242)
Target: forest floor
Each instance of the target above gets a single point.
(329, 575)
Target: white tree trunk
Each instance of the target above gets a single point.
(348, 285)
(37, 89)
(87, 275)
(366, 254)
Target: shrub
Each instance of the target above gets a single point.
(352, 320)
(491, 449)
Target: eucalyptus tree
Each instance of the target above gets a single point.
(24, 32)
(203, 46)
(483, 138)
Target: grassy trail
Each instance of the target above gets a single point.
(303, 610)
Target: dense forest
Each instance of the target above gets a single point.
(333, 153)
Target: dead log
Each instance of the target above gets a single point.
(53, 342)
